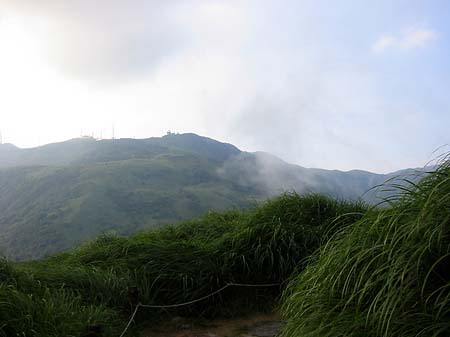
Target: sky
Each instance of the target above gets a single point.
(330, 84)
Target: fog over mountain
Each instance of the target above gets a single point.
(58, 195)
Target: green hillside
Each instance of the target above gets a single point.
(121, 186)
(59, 195)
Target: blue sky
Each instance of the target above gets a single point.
(332, 84)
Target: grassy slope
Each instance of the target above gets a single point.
(65, 293)
(64, 206)
(57, 196)
(386, 275)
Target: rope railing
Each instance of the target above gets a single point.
(193, 301)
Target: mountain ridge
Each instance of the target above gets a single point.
(89, 140)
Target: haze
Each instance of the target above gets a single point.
(339, 85)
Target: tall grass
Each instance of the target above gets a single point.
(29, 309)
(263, 245)
(387, 275)
(172, 265)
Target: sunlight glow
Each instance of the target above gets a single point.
(33, 93)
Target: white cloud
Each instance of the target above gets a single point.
(384, 42)
(409, 40)
(418, 38)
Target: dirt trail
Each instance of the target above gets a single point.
(262, 325)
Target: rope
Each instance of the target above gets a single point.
(254, 285)
(186, 303)
(193, 301)
(131, 320)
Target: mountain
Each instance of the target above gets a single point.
(58, 195)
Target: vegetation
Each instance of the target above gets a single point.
(51, 202)
(57, 196)
(386, 275)
(353, 270)
(63, 294)
(28, 308)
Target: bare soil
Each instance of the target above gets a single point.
(259, 325)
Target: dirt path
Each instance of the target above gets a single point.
(263, 325)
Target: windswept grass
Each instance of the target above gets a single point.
(171, 265)
(184, 262)
(387, 275)
(27, 308)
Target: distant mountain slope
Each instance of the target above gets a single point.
(56, 196)
(274, 176)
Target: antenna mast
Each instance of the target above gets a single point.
(1, 137)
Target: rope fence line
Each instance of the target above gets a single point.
(185, 303)
(131, 320)
(193, 301)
